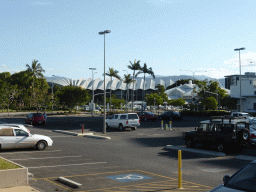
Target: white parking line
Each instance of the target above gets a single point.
(46, 158)
(66, 165)
(7, 153)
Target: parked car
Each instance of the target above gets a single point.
(18, 136)
(144, 116)
(225, 132)
(34, 118)
(242, 114)
(242, 180)
(123, 120)
(170, 115)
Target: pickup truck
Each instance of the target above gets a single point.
(123, 120)
(224, 132)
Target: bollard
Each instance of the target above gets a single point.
(166, 126)
(170, 125)
(179, 170)
(82, 128)
(162, 124)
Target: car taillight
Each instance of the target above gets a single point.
(127, 122)
(253, 136)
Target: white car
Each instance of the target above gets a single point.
(242, 114)
(123, 120)
(18, 136)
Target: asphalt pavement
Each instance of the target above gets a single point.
(129, 161)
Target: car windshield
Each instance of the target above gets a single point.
(38, 115)
(245, 179)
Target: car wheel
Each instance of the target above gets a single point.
(221, 147)
(121, 127)
(145, 119)
(41, 145)
(245, 135)
(190, 143)
(134, 128)
(107, 127)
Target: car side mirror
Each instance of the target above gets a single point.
(225, 179)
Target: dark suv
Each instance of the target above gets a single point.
(170, 115)
(34, 118)
(224, 132)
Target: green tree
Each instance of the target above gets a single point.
(112, 73)
(72, 96)
(177, 102)
(145, 70)
(160, 90)
(8, 94)
(116, 102)
(35, 70)
(128, 80)
(228, 102)
(5, 75)
(154, 98)
(210, 103)
(135, 66)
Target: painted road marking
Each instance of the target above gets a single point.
(28, 152)
(129, 177)
(47, 158)
(66, 165)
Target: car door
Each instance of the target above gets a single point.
(109, 120)
(201, 133)
(7, 138)
(23, 139)
(115, 121)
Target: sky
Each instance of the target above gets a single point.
(170, 36)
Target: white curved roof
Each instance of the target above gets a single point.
(116, 84)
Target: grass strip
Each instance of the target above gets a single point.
(7, 165)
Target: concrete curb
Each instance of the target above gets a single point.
(82, 134)
(213, 153)
(72, 133)
(97, 136)
(69, 183)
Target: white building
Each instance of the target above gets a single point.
(248, 90)
(183, 91)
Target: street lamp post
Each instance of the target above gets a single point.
(92, 91)
(240, 79)
(104, 119)
(52, 91)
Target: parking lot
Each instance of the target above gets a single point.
(129, 161)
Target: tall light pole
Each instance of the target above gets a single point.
(104, 119)
(92, 91)
(52, 91)
(240, 79)
(193, 81)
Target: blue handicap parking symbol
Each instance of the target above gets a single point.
(129, 177)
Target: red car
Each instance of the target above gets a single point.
(147, 116)
(34, 118)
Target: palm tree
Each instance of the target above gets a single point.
(145, 70)
(127, 80)
(35, 71)
(112, 73)
(135, 66)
